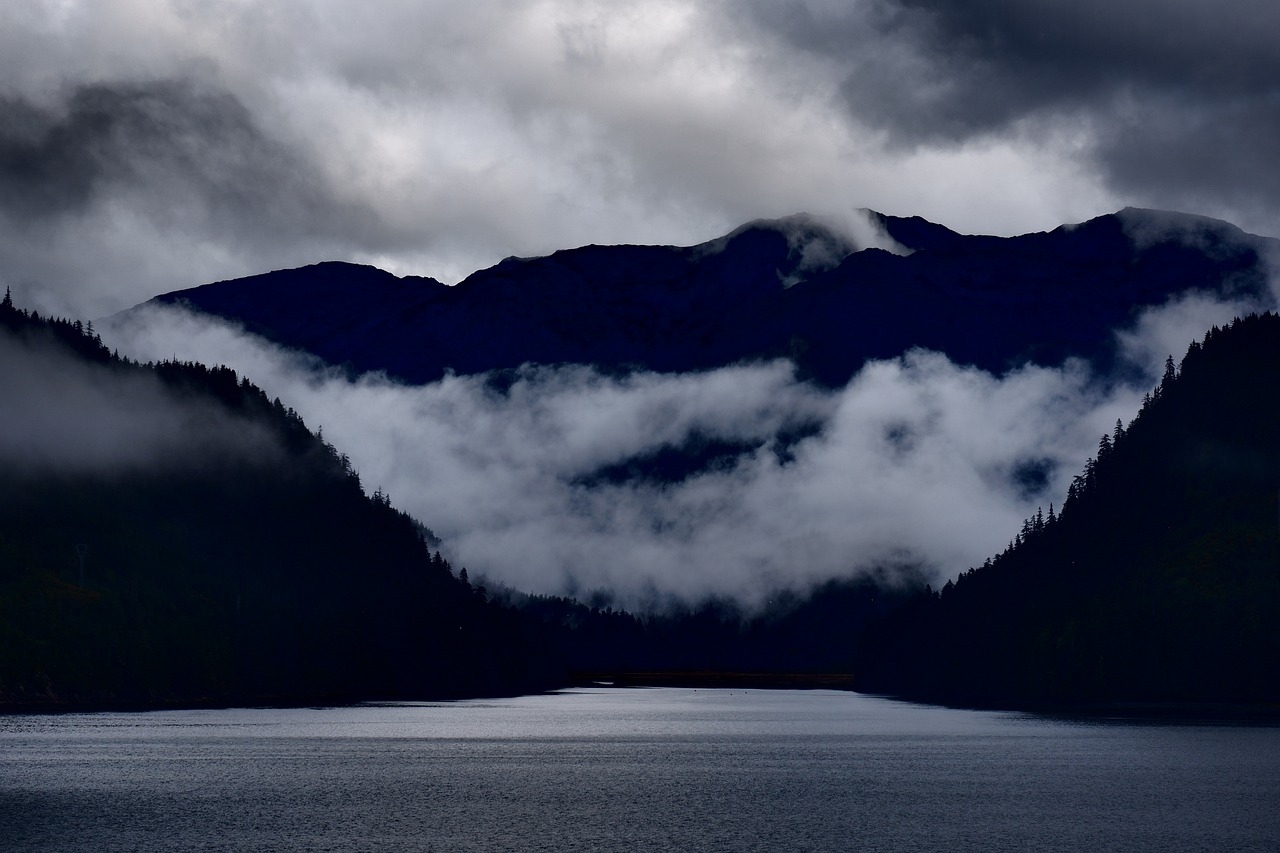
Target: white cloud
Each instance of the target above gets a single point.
(63, 414)
(1168, 330)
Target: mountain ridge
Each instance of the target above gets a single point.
(783, 288)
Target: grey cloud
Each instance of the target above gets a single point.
(181, 167)
(63, 415)
(1179, 100)
(983, 65)
(43, 171)
(1080, 49)
(1216, 158)
(184, 142)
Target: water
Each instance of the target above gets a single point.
(610, 769)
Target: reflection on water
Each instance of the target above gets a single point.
(614, 769)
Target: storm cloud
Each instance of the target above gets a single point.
(1170, 104)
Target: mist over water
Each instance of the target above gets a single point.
(916, 462)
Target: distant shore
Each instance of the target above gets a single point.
(1191, 713)
(710, 679)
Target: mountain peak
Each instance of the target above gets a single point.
(915, 233)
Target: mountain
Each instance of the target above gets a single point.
(169, 536)
(1159, 581)
(793, 287)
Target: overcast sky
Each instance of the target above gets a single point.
(148, 145)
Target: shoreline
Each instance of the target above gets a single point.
(1134, 712)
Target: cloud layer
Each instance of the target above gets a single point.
(1170, 102)
(146, 147)
(64, 415)
(917, 461)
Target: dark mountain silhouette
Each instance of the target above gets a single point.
(230, 556)
(792, 287)
(1159, 581)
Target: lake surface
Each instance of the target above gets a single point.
(646, 769)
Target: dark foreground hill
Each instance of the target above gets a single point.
(168, 535)
(779, 288)
(1159, 581)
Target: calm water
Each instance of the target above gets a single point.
(606, 769)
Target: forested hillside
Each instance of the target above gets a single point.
(170, 535)
(1159, 580)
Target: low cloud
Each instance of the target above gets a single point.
(1167, 332)
(66, 416)
(917, 461)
